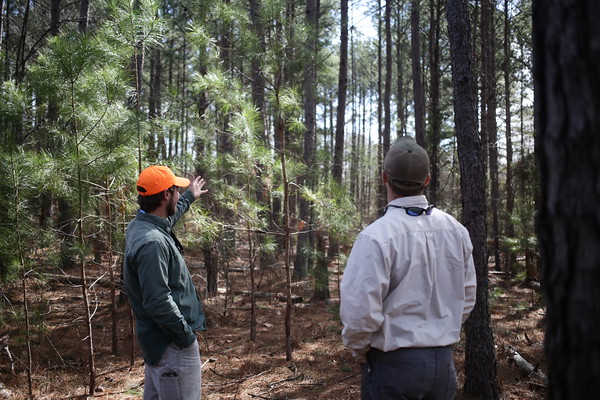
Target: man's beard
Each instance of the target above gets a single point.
(171, 207)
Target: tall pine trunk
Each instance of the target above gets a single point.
(480, 359)
(400, 78)
(387, 91)
(381, 148)
(338, 156)
(84, 10)
(304, 250)
(510, 193)
(338, 151)
(488, 115)
(417, 75)
(435, 11)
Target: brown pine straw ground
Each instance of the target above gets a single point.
(233, 366)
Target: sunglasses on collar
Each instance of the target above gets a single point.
(412, 211)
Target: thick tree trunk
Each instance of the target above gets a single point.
(480, 359)
(567, 122)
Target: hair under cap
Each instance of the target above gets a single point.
(157, 178)
(406, 164)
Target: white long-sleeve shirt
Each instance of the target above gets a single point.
(409, 281)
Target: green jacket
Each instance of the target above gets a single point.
(159, 286)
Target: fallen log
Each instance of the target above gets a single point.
(75, 280)
(528, 368)
(4, 346)
(266, 295)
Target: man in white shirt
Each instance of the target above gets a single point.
(408, 286)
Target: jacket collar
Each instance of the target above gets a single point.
(159, 222)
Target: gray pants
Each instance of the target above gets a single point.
(409, 374)
(176, 377)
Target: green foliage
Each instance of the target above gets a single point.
(88, 142)
(132, 24)
(495, 294)
(524, 242)
(20, 181)
(335, 212)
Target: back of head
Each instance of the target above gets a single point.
(407, 166)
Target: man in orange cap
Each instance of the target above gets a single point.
(160, 288)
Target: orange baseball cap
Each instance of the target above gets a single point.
(157, 178)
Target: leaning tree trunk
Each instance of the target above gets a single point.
(480, 359)
(567, 122)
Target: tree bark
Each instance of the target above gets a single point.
(338, 158)
(258, 79)
(321, 270)
(7, 38)
(480, 359)
(2, 5)
(304, 249)
(435, 11)
(211, 261)
(156, 143)
(417, 75)
(567, 94)
(20, 56)
(488, 115)
(510, 259)
(400, 78)
(381, 148)
(387, 91)
(84, 10)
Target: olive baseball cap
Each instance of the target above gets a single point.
(157, 178)
(406, 164)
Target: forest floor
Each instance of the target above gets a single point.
(233, 366)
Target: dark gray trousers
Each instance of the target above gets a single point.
(409, 374)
